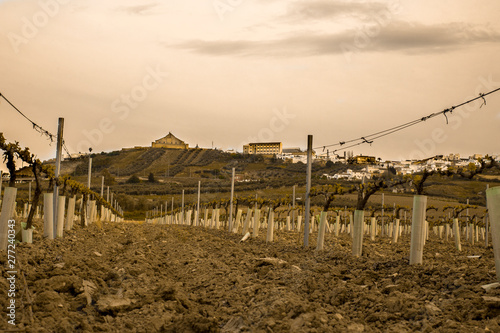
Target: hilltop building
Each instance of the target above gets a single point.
(263, 148)
(362, 160)
(171, 142)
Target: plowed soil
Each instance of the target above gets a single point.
(133, 277)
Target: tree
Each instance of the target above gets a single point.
(366, 190)
(329, 192)
(133, 180)
(151, 178)
(108, 178)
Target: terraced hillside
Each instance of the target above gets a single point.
(143, 161)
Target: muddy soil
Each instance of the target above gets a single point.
(135, 277)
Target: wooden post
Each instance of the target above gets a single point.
(493, 203)
(308, 190)
(321, 231)
(48, 217)
(8, 204)
(230, 219)
(418, 229)
(60, 216)
(56, 174)
(357, 233)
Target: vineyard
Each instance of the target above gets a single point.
(324, 258)
(241, 263)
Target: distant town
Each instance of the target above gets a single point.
(372, 165)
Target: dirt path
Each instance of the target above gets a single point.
(150, 278)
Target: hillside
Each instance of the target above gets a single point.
(144, 161)
(175, 171)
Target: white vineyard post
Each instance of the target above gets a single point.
(321, 231)
(217, 218)
(48, 217)
(230, 217)
(382, 218)
(337, 225)
(71, 213)
(418, 229)
(351, 225)
(293, 206)
(456, 229)
(237, 221)
(182, 208)
(247, 221)
(56, 174)
(205, 218)
(61, 205)
(396, 232)
(308, 190)
(493, 203)
(8, 204)
(270, 227)
(89, 183)
(102, 186)
(197, 222)
(357, 233)
(256, 223)
(373, 228)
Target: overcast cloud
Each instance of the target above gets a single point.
(125, 73)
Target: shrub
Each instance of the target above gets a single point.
(133, 180)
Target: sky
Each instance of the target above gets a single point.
(222, 73)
